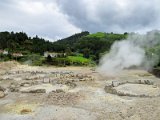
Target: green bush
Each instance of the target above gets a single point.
(32, 59)
(61, 61)
(71, 60)
(5, 57)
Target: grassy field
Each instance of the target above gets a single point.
(98, 35)
(78, 59)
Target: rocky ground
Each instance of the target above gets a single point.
(76, 93)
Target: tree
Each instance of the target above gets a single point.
(86, 53)
(49, 59)
(68, 51)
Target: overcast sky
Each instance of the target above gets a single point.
(54, 19)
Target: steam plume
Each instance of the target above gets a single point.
(131, 53)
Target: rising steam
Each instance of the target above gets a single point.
(131, 53)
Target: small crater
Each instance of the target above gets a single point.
(140, 88)
(25, 111)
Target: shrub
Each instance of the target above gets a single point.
(32, 59)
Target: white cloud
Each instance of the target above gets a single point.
(113, 15)
(60, 18)
(37, 17)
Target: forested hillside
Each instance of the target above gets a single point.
(90, 45)
(82, 46)
(20, 42)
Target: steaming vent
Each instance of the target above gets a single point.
(134, 52)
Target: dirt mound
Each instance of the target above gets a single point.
(2, 94)
(140, 88)
(8, 65)
(62, 98)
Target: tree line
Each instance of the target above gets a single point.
(90, 45)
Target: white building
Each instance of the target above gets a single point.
(53, 54)
(46, 54)
(4, 52)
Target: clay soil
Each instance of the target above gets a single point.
(74, 93)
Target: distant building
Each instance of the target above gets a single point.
(53, 54)
(1, 51)
(46, 54)
(17, 54)
(4, 52)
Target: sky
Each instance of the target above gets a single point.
(56, 19)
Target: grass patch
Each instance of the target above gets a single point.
(32, 59)
(72, 60)
(78, 59)
(98, 35)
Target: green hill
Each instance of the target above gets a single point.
(20, 42)
(90, 45)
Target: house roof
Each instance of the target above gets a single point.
(17, 54)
